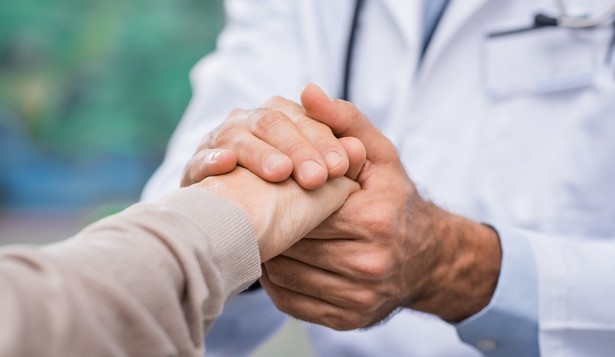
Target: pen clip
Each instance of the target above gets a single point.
(540, 21)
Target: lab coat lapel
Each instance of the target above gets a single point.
(407, 16)
(456, 15)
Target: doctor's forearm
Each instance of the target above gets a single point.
(467, 267)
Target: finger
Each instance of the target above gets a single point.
(323, 140)
(345, 120)
(319, 135)
(279, 131)
(252, 153)
(340, 256)
(341, 116)
(310, 309)
(356, 156)
(308, 280)
(208, 162)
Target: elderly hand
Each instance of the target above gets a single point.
(275, 142)
(385, 248)
(285, 212)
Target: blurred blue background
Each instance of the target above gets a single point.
(90, 92)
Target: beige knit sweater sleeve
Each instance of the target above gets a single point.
(146, 282)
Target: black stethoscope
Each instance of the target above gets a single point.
(563, 20)
(352, 39)
(602, 18)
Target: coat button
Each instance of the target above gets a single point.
(486, 345)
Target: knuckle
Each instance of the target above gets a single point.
(373, 266)
(270, 120)
(273, 273)
(281, 276)
(235, 114)
(365, 300)
(227, 131)
(276, 278)
(349, 321)
(275, 101)
(296, 147)
(318, 130)
(207, 140)
(225, 134)
(381, 221)
(320, 135)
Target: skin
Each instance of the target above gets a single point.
(385, 248)
(259, 138)
(277, 211)
(280, 213)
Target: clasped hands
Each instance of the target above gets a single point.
(347, 240)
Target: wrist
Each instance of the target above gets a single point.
(464, 275)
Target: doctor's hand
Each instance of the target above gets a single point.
(385, 248)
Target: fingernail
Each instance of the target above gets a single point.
(309, 169)
(330, 98)
(272, 162)
(319, 89)
(333, 158)
(213, 156)
(325, 94)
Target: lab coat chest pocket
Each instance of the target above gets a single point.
(551, 160)
(544, 60)
(521, 56)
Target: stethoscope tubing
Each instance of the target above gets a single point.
(585, 22)
(564, 20)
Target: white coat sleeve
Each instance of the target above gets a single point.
(508, 326)
(575, 285)
(258, 55)
(550, 297)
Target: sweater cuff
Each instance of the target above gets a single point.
(229, 233)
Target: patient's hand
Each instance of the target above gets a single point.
(275, 142)
(281, 213)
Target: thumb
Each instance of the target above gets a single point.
(206, 163)
(356, 156)
(345, 119)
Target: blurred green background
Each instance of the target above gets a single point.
(90, 92)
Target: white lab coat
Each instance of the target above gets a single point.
(541, 162)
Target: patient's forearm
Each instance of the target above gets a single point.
(138, 283)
